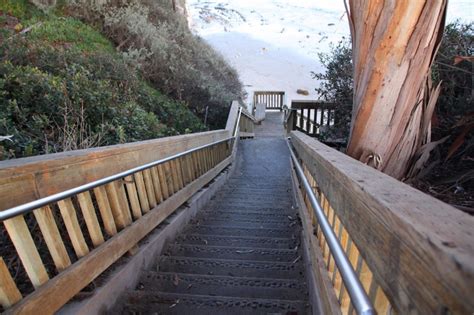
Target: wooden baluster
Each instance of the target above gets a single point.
(307, 121)
(301, 119)
(343, 297)
(116, 204)
(331, 218)
(195, 158)
(9, 293)
(141, 189)
(150, 190)
(337, 279)
(202, 160)
(92, 223)
(169, 177)
(26, 250)
(68, 212)
(380, 301)
(187, 169)
(174, 174)
(179, 172)
(315, 112)
(133, 197)
(163, 181)
(156, 184)
(209, 158)
(49, 229)
(212, 151)
(123, 201)
(365, 275)
(105, 210)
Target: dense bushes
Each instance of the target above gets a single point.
(158, 41)
(336, 86)
(62, 87)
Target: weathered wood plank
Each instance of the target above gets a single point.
(68, 212)
(92, 223)
(56, 292)
(142, 195)
(179, 172)
(27, 179)
(100, 194)
(169, 178)
(150, 189)
(407, 238)
(49, 229)
(9, 293)
(163, 182)
(174, 175)
(156, 184)
(26, 250)
(116, 205)
(133, 196)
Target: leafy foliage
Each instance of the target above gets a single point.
(62, 87)
(158, 41)
(456, 94)
(336, 86)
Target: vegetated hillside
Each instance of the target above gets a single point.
(155, 36)
(64, 85)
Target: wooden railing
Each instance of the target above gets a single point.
(247, 124)
(311, 117)
(65, 244)
(273, 100)
(412, 253)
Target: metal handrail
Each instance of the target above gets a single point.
(359, 297)
(30, 206)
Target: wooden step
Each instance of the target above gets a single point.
(285, 289)
(154, 302)
(239, 241)
(234, 253)
(228, 267)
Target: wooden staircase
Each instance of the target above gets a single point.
(241, 254)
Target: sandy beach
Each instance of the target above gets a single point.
(274, 44)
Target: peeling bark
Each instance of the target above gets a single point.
(394, 44)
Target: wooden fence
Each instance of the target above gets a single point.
(273, 100)
(412, 253)
(63, 246)
(311, 117)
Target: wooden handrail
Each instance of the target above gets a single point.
(418, 250)
(26, 179)
(105, 222)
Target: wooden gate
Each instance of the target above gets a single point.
(272, 100)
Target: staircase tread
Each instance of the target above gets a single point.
(178, 303)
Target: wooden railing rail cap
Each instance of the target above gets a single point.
(420, 249)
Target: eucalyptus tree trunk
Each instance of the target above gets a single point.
(394, 44)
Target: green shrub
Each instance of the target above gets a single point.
(456, 95)
(336, 86)
(170, 56)
(70, 90)
(21, 9)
